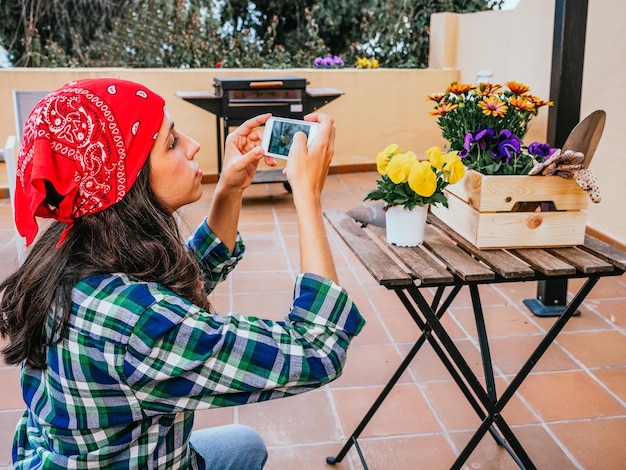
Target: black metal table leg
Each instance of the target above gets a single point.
(396, 376)
(493, 416)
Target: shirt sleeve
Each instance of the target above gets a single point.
(181, 357)
(215, 259)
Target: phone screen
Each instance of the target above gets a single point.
(281, 136)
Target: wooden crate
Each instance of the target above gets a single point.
(492, 211)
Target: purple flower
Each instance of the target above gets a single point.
(338, 61)
(540, 149)
(509, 145)
(483, 138)
(318, 62)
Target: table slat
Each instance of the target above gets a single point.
(545, 262)
(421, 264)
(458, 261)
(380, 265)
(583, 261)
(607, 252)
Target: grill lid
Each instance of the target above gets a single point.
(246, 83)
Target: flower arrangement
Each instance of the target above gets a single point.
(366, 63)
(409, 182)
(486, 124)
(328, 62)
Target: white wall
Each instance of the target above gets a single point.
(517, 45)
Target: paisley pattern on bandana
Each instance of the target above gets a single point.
(89, 140)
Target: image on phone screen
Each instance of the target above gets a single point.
(282, 136)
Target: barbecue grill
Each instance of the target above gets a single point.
(236, 99)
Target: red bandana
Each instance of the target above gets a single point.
(89, 140)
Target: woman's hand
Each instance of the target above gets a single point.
(241, 157)
(307, 167)
(242, 153)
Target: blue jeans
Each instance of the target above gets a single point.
(230, 447)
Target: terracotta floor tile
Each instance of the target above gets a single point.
(568, 395)
(614, 378)
(606, 288)
(309, 457)
(489, 295)
(266, 282)
(214, 417)
(612, 310)
(370, 365)
(404, 411)
(284, 422)
(510, 353)
(406, 453)
(501, 320)
(402, 327)
(373, 333)
(596, 348)
(517, 292)
(595, 444)
(450, 406)
(8, 422)
(10, 390)
(270, 305)
(542, 450)
(427, 366)
(385, 300)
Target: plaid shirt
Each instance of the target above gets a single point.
(122, 384)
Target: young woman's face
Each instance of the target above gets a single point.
(175, 177)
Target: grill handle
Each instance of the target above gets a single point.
(275, 84)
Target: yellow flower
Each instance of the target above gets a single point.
(453, 167)
(436, 157)
(399, 167)
(422, 178)
(493, 106)
(366, 63)
(382, 159)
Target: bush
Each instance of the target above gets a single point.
(234, 33)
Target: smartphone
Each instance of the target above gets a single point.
(279, 132)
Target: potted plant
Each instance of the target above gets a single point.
(408, 186)
(486, 124)
(498, 205)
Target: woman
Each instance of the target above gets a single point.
(109, 314)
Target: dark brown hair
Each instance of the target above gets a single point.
(137, 236)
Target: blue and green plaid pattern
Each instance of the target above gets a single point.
(137, 360)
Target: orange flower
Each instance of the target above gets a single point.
(539, 102)
(518, 88)
(442, 109)
(459, 88)
(522, 103)
(493, 106)
(436, 97)
(488, 88)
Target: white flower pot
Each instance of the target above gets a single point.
(406, 228)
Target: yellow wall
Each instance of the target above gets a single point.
(378, 106)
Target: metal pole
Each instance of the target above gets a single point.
(568, 52)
